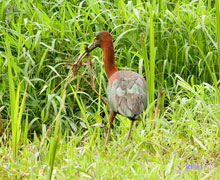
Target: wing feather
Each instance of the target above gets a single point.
(127, 94)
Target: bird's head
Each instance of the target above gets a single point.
(101, 39)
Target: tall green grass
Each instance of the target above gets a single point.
(218, 30)
(174, 44)
(16, 110)
(54, 143)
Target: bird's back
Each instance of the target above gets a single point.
(127, 93)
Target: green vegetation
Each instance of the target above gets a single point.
(60, 134)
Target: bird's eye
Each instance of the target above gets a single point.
(96, 40)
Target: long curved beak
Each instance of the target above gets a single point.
(87, 50)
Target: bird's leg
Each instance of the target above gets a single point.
(129, 132)
(110, 119)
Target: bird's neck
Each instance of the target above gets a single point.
(109, 58)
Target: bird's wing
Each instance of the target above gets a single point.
(127, 95)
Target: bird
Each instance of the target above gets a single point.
(126, 90)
